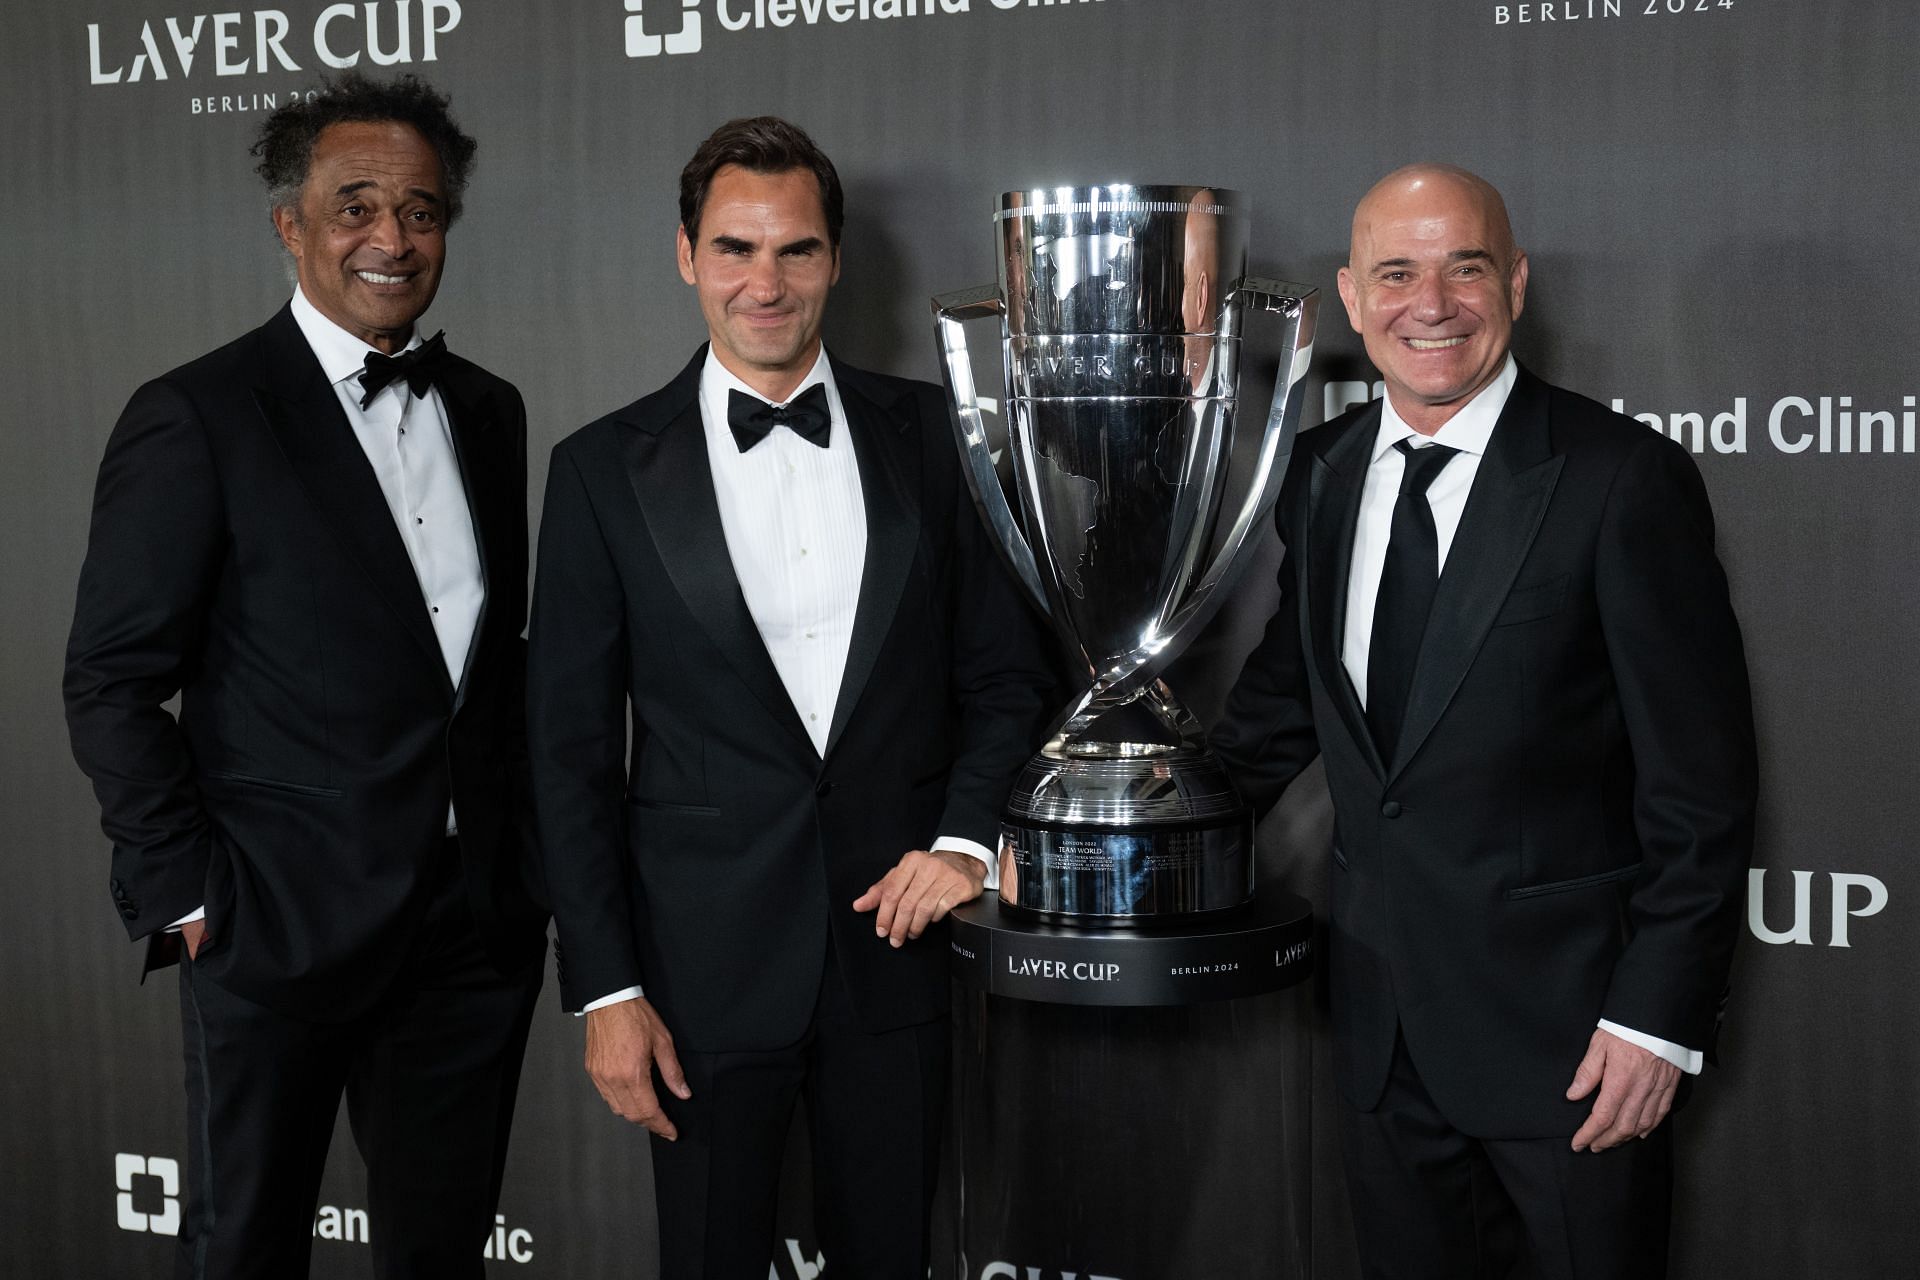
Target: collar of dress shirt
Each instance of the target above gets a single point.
(716, 380)
(1468, 430)
(341, 355)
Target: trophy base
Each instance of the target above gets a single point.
(1133, 877)
(1125, 819)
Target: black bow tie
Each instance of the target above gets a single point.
(418, 368)
(752, 418)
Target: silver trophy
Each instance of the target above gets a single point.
(1122, 350)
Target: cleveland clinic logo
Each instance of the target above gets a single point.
(147, 1199)
(1810, 425)
(147, 1193)
(644, 44)
(658, 27)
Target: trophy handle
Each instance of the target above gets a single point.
(951, 311)
(1298, 306)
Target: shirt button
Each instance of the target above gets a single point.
(809, 635)
(1391, 809)
(435, 608)
(419, 519)
(803, 551)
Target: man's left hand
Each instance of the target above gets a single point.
(920, 890)
(1636, 1091)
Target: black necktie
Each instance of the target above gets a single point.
(752, 418)
(417, 368)
(1407, 584)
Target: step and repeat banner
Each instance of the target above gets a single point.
(1718, 199)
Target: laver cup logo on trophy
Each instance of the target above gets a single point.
(1122, 350)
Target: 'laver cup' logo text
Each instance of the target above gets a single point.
(268, 40)
(1073, 971)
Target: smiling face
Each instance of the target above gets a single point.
(762, 265)
(368, 235)
(1433, 286)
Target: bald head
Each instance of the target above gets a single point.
(1419, 190)
(1433, 283)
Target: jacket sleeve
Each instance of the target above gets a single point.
(519, 767)
(153, 561)
(1681, 674)
(1265, 736)
(1004, 675)
(577, 740)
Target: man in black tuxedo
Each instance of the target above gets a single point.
(316, 537)
(770, 572)
(1503, 626)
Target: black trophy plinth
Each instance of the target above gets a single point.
(1133, 1102)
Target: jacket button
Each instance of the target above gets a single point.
(114, 885)
(128, 910)
(824, 790)
(1391, 809)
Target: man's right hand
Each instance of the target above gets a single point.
(625, 1042)
(194, 934)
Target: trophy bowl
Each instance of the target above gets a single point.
(1121, 309)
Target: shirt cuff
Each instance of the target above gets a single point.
(618, 997)
(1688, 1060)
(198, 913)
(973, 849)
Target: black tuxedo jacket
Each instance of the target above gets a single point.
(243, 556)
(710, 862)
(1564, 831)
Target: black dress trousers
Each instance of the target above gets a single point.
(429, 1075)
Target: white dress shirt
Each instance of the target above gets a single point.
(795, 521)
(1468, 431)
(410, 447)
(796, 530)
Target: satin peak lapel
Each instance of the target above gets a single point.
(1502, 516)
(470, 416)
(889, 460)
(667, 467)
(313, 433)
(1333, 512)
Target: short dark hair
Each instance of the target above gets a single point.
(286, 141)
(762, 144)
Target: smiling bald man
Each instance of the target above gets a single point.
(1503, 626)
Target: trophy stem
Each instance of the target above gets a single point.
(1145, 720)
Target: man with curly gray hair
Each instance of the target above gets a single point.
(315, 537)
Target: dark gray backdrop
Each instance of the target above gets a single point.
(1717, 198)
